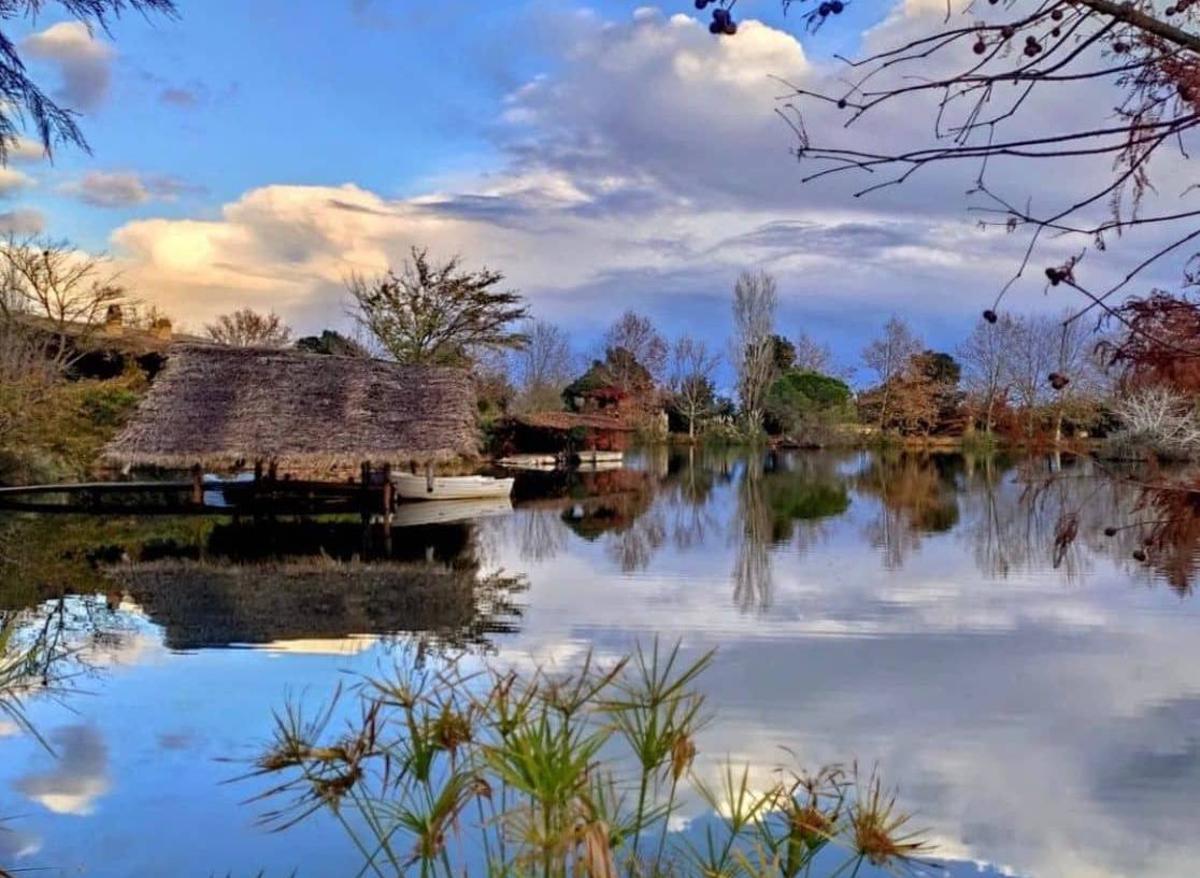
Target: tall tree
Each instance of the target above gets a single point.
(645, 346)
(23, 99)
(755, 299)
(985, 355)
(692, 368)
(437, 313)
(247, 328)
(543, 367)
(1077, 381)
(888, 356)
(1033, 358)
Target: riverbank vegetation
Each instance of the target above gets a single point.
(76, 360)
(448, 771)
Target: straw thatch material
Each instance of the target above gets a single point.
(223, 407)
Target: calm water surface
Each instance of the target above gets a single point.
(1038, 709)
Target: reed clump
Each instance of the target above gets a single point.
(446, 772)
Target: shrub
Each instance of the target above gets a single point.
(1156, 421)
(808, 404)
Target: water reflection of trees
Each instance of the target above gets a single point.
(781, 500)
(917, 495)
(1064, 513)
(1169, 531)
(215, 582)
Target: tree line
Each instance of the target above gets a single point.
(1027, 378)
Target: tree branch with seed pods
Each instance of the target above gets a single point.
(979, 75)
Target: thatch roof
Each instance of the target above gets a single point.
(222, 407)
(205, 604)
(136, 340)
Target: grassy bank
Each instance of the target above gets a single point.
(60, 435)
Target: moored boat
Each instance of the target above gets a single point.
(594, 456)
(420, 487)
(529, 461)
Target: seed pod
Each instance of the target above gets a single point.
(990, 316)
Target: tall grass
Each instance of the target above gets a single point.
(448, 773)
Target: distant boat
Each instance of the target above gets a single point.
(529, 461)
(597, 466)
(594, 456)
(411, 487)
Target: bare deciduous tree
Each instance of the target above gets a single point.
(811, 355)
(692, 368)
(635, 334)
(984, 356)
(888, 356)
(543, 367)
(246, 328)
(1032, 360)
(437, 314)
(755, 299)
(59, 294)
(1157, 419)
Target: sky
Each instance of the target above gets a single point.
(603, 157)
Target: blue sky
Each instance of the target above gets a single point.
(604, 157)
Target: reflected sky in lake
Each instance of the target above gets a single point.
(1038, 707)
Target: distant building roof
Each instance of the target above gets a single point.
(221, 406)
(571, 420)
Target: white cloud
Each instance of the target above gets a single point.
(12, 181)
(84, 62)
(125, 188)
(22, 222)
(78, 776)
(25, 149)
(648, 170)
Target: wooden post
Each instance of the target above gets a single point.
(364, 500)
(258, 474)
(197, 485)
(389, 498)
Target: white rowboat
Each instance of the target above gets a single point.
(411, 487)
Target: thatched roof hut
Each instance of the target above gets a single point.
(202, 604)
(224, 407)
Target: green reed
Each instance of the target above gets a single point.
(559, 774)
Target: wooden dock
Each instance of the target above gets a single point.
(371, 495)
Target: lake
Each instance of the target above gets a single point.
(1036, 704)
